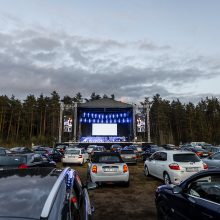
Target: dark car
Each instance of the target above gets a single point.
(61, 147)
(198, 197)
(25, 161)
(20, 150)
(169, 147)
(44, 194)
(2, 151)
(149, 150)
(213, 150)
(213, 161)
(115, 148)
(53, 153)
(198, 151)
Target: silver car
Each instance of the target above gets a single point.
(129, 156)
(108, 167)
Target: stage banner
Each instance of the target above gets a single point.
(68, 121)
(140, 123)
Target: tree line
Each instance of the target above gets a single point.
(36, 119)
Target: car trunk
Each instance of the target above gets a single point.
(105, 169)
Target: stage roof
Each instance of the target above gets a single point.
(104, 103)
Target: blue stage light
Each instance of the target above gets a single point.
(125, 114)
(80, 120)
(116, 115)
(106, 121)
(93, 120)
(119, 121)
(89, 120)
(123, 121)
(121, 115)
(95, 115)
(102, 121)
(98, 121)
(113, 116)
(115, 121)
(128, 120)
(106, 116)
(92, 115)
(110, 120)
(110, 116)
(84, 119)
(84, 114)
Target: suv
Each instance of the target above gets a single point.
(43, 193)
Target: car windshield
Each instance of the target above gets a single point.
(72, 151)
(185, 158)
(107, 159)
(127, 152)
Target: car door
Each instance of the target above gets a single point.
(203, 196)
(161, 161)
(213, 161)
(151, 163)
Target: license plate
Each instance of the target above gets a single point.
(71, 156)
(110, 170)
(128, 157)
(192, 169)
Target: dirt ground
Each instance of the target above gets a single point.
(116, 202)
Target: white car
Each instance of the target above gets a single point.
(173, 166)
(108, 167)
(90, 148)
(75, 155)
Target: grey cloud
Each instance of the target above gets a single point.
(39, 62)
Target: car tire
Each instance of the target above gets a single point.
(146, 171)
(127, 184)
(163, 211)
(166, 178)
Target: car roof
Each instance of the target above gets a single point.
(176, 152)
(26, 191)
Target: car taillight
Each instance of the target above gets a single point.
(125, 169)
(174, 166)
(94, 169)
(198, 153)
(22, 166)
(205, 166)
(80, 156)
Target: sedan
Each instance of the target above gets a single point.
(198, 197)
(108, 167)
(75, 156)
(129, 156)
(213, 161)
(173, 166)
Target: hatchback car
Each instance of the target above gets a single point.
(43, 193)
(173, 166)
(75, 156)
(129, 156)
(198, 197)
(108, 167)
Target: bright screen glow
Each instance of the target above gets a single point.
(104, 129)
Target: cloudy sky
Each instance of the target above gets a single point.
(132, 48)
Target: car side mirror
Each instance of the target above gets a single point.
(91, 186)
(177, 190)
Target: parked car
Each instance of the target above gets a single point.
(169, 147)
(131, 147)
(75, 156)
(21, 150)
(198, 197)
(61, 147)
(173, 166)
(90, 148)
(53, 153)
(115, 148)
(98, 149)
(129, 156)
(149, 151)
(44, 193)
(213, 161)
(199, 151)
(25, 161)
(108, 167)
(213, 150)
(2, 151)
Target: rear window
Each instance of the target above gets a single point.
(72, 151)
(185, 158)
(12, 160)
(127, 152)
(107, 159)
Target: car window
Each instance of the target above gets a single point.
(185, 158)
(12, 160)
(127, 152)
(207, 188)
(37, 158)
(163, 156)
(216, 156)
(155, 156)
(106, 159)
(72, 151)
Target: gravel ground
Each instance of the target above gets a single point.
(119, 202)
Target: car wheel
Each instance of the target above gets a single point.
(166, 178)
(146, 171)
(127, 184)
(163, 211)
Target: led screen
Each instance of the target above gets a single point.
(104, 129)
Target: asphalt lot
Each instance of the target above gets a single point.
(119, 202)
